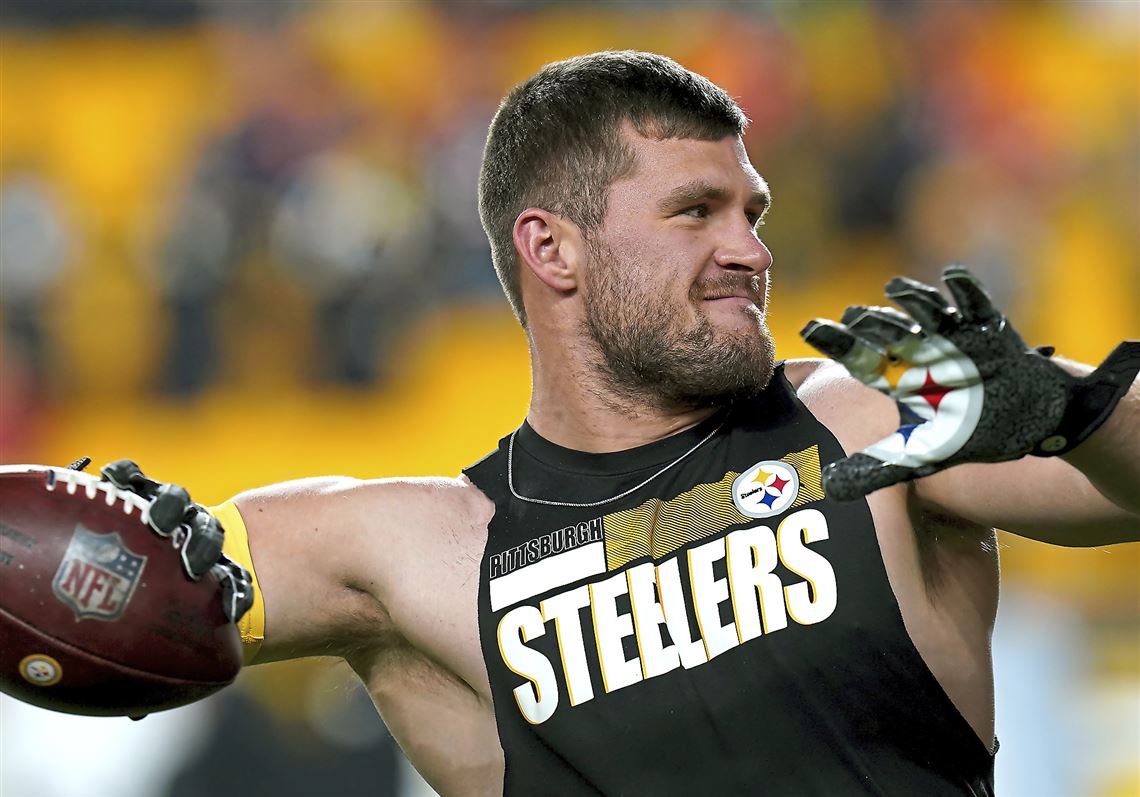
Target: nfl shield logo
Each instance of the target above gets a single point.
(97, 576)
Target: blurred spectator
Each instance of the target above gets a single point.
(870, 169)
(452, 153)
(35, 242)
(34, 245)
(355, 237)
(290, 112)
(451, 162)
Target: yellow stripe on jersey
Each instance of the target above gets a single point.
(806, 463)
(657, 528)
(236, 547)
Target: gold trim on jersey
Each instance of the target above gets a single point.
(658, 528)
(236, 546)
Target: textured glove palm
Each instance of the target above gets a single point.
(967, 387)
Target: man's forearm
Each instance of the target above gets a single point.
(1110, 458)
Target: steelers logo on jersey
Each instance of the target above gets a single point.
(766, 489)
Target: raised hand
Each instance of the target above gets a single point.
(967, 387)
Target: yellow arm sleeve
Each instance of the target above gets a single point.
(236, 547)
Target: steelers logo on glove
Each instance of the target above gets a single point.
(967, 387)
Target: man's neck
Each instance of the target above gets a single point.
(571, 406)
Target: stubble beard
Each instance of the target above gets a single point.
(648, 355)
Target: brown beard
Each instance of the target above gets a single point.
(647, 357)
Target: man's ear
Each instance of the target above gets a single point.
(550, 247)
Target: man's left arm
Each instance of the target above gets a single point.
(989, 429)
(1088, 497)
(1110, 458)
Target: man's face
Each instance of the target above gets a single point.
(676, 279)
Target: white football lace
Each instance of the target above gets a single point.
(92, 485)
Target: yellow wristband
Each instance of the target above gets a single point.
(236, 547)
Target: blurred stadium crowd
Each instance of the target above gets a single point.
(239, 242)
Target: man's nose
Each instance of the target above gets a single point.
(745, 252)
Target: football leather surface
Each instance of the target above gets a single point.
(97, 615)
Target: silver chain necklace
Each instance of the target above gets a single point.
(635, 488)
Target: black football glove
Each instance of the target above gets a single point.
(968, 388)
(194, 532)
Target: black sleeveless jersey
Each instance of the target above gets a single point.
(709, 627)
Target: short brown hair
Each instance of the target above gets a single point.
(555, 142)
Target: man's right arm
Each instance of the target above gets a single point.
(345, 566)
(384, 574)
(316, 551)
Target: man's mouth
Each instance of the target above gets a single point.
(732, 298)
(733, 292)
(736, 301)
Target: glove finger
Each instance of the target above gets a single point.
(120, 472)
(924, 303)
(973, 302)
(829, 338)
(126, 475)
(883, 326)
(168, 509)
(859, 475)
(833, 340)
(237, 588)
(203, 545)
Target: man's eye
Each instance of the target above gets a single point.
(696, 211)
(756, 214)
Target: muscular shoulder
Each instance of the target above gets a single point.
(343, 503)
(857, 415)
(429, 503)
(345, 563)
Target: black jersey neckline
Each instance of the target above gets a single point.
(616, 463)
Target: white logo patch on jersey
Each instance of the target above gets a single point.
(766, 489)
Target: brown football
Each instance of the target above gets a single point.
(97, 616)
